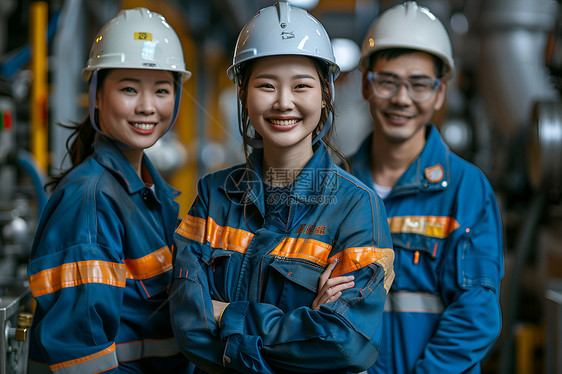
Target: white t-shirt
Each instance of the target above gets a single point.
(382, 191)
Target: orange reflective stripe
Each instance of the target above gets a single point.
(77, 273)
(305, 249)
(198, 229)
(353, 259)
(192, 228)
(155, 263)
(93, 363)
(437, 227)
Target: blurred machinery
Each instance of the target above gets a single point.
(21, 200)
(544, 145)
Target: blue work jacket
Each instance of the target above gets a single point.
(443, 313)
(99, 270)
(231, 248)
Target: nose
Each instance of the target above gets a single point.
(402, 96)
(146, 104)
(283, 100)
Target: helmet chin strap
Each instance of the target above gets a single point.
(92, 107)
(257, 143)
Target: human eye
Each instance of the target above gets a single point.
(386, 81)
(266, 86)
(128, 89)
(421, 84)
(163, 91)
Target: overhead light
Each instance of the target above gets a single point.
(347, 53)
(305, 4)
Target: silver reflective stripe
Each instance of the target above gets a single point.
(105, 361)
(146, 348)
(413, 302)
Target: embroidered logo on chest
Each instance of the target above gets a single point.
(434, 174)
(311, 229)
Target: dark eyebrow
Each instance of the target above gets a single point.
(136, 80)
(273, 76)
(129, 80)
(389, 75)
(420, 76)
(303, 76)
(415, 76)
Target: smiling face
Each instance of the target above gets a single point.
(399, 119)
(136, 106)
(284, 101)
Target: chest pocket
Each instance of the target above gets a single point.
(416, 262)
(291, 284)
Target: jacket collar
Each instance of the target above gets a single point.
(429, 171)
(247, 184)
(109, 156)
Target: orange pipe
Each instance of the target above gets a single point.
(38, 31)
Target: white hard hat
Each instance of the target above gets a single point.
(282, 29)
(408, 26)
(136, 39)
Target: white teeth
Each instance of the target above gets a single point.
(144, 126)
(283, 122)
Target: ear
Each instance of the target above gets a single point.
(97, 102)
(440, 99)
(365, 87)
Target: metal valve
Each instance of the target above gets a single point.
(24, 322)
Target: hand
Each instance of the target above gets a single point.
(330, 289)
(218, 308)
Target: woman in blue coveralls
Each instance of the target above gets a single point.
(251, 251)
(101, 259)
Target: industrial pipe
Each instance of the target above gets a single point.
(38, 31)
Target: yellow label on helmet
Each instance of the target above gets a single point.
(143, 36)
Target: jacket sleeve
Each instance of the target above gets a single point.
(260, 337)
(191, 308)
(471, 320)
(78, 289)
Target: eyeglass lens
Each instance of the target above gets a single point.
(419, 88)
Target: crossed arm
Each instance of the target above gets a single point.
(329, 290)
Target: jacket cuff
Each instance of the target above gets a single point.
(243, 353)
(232, 319)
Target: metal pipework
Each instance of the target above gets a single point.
(544, 146)
(512, 75)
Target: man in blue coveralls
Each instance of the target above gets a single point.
(442, 314)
